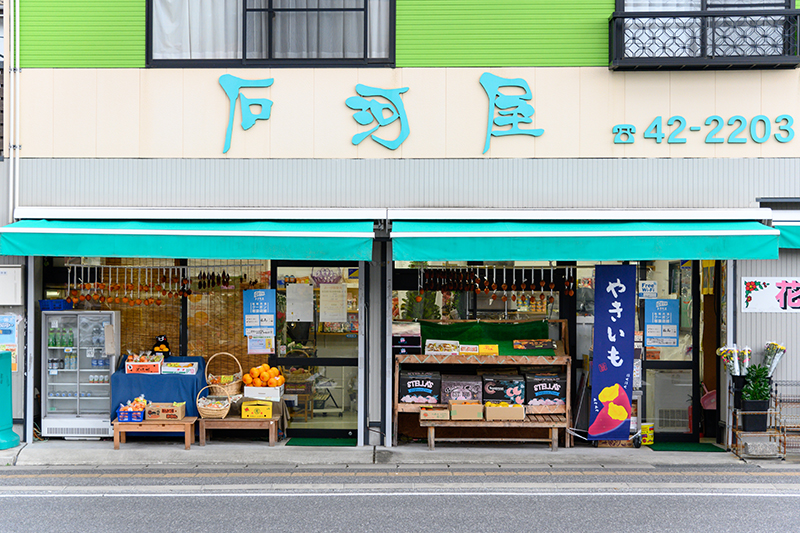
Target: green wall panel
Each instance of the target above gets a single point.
(500, 33)
(82, 33)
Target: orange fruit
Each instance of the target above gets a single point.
(264, 367)
(247, 378)
(274, 372)
(254, 372)
(258, 383)
(265, 376)
(281, 380)
(273, 382)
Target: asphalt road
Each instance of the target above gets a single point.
(439, 499)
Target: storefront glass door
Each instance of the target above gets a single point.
(319, 319)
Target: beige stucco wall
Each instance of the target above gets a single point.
(183, 113)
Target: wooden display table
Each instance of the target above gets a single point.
(240, 423)
(551, 422)
(553, 417)
(185, 425)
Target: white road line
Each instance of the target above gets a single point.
(240, 495)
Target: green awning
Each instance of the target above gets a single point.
(235, 239)
(790, 235)
(581, 241)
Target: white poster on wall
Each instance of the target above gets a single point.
(770, 295)
(332, 302)
(299, 302)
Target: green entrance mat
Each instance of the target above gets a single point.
(304, 441)
(685, 447)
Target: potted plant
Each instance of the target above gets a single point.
(755, 398)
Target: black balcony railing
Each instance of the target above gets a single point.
(709, 39)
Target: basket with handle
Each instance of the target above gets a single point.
(231, 389)
(209, 412)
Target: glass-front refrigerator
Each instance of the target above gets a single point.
(78, 357)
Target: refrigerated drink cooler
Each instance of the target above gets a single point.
(77, 364)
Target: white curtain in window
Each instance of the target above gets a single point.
(379, 28)
(211, 29)
(319, 34)
(197, 29)
(662, 5)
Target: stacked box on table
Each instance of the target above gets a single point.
(272, 394)
(257, 409)
(420, 387)
(547, 386)
(465, 410)
(434, 413)
(189, 369)
(129, 416)
(456, 387)
(504, 388)
(166, 411)
(513, 412)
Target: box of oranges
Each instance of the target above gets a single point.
(264, 383)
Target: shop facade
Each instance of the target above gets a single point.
(157, 163)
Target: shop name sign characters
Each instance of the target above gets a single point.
(760, 131)
(771, 295)
(612, 365)
(506, 110)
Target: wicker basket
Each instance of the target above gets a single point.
(231, 389)
(207, 412)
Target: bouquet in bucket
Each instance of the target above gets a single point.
(772, 356)
(735, 360)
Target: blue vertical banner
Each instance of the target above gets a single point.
(612, 363)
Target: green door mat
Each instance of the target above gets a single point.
(685, 447)
(306, 441)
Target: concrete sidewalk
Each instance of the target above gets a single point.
(171, 452)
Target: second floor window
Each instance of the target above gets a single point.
(271, 32)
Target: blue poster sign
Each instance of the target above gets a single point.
(661, 322)
(259, 312)
(612, 364)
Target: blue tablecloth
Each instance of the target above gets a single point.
(160, 387)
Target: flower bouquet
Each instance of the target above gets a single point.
(730, 356)
(772, 356)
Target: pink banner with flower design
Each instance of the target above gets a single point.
(771, 295)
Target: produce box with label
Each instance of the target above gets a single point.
(434, 413)
(420, 387)
(461, 388)
(165, 411)
(189, 369)
(257, 409)
(504, 388)
(465, 410)
(545, 388)
(504, 411)
(144, 364)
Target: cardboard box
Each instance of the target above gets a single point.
(434, 347)
(165, 411)
(264, 393)
(404, 350)
(488, 349)
(434, 413)
(534, 344)
(504, 388)
(406, 340)
(468, 349)
(143, 368)
(545, 388)
(257, 409)
(505, 413)
(420, 387)
(189, 369)
(465, 410)
(461, 388)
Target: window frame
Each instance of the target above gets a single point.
(277, 62)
